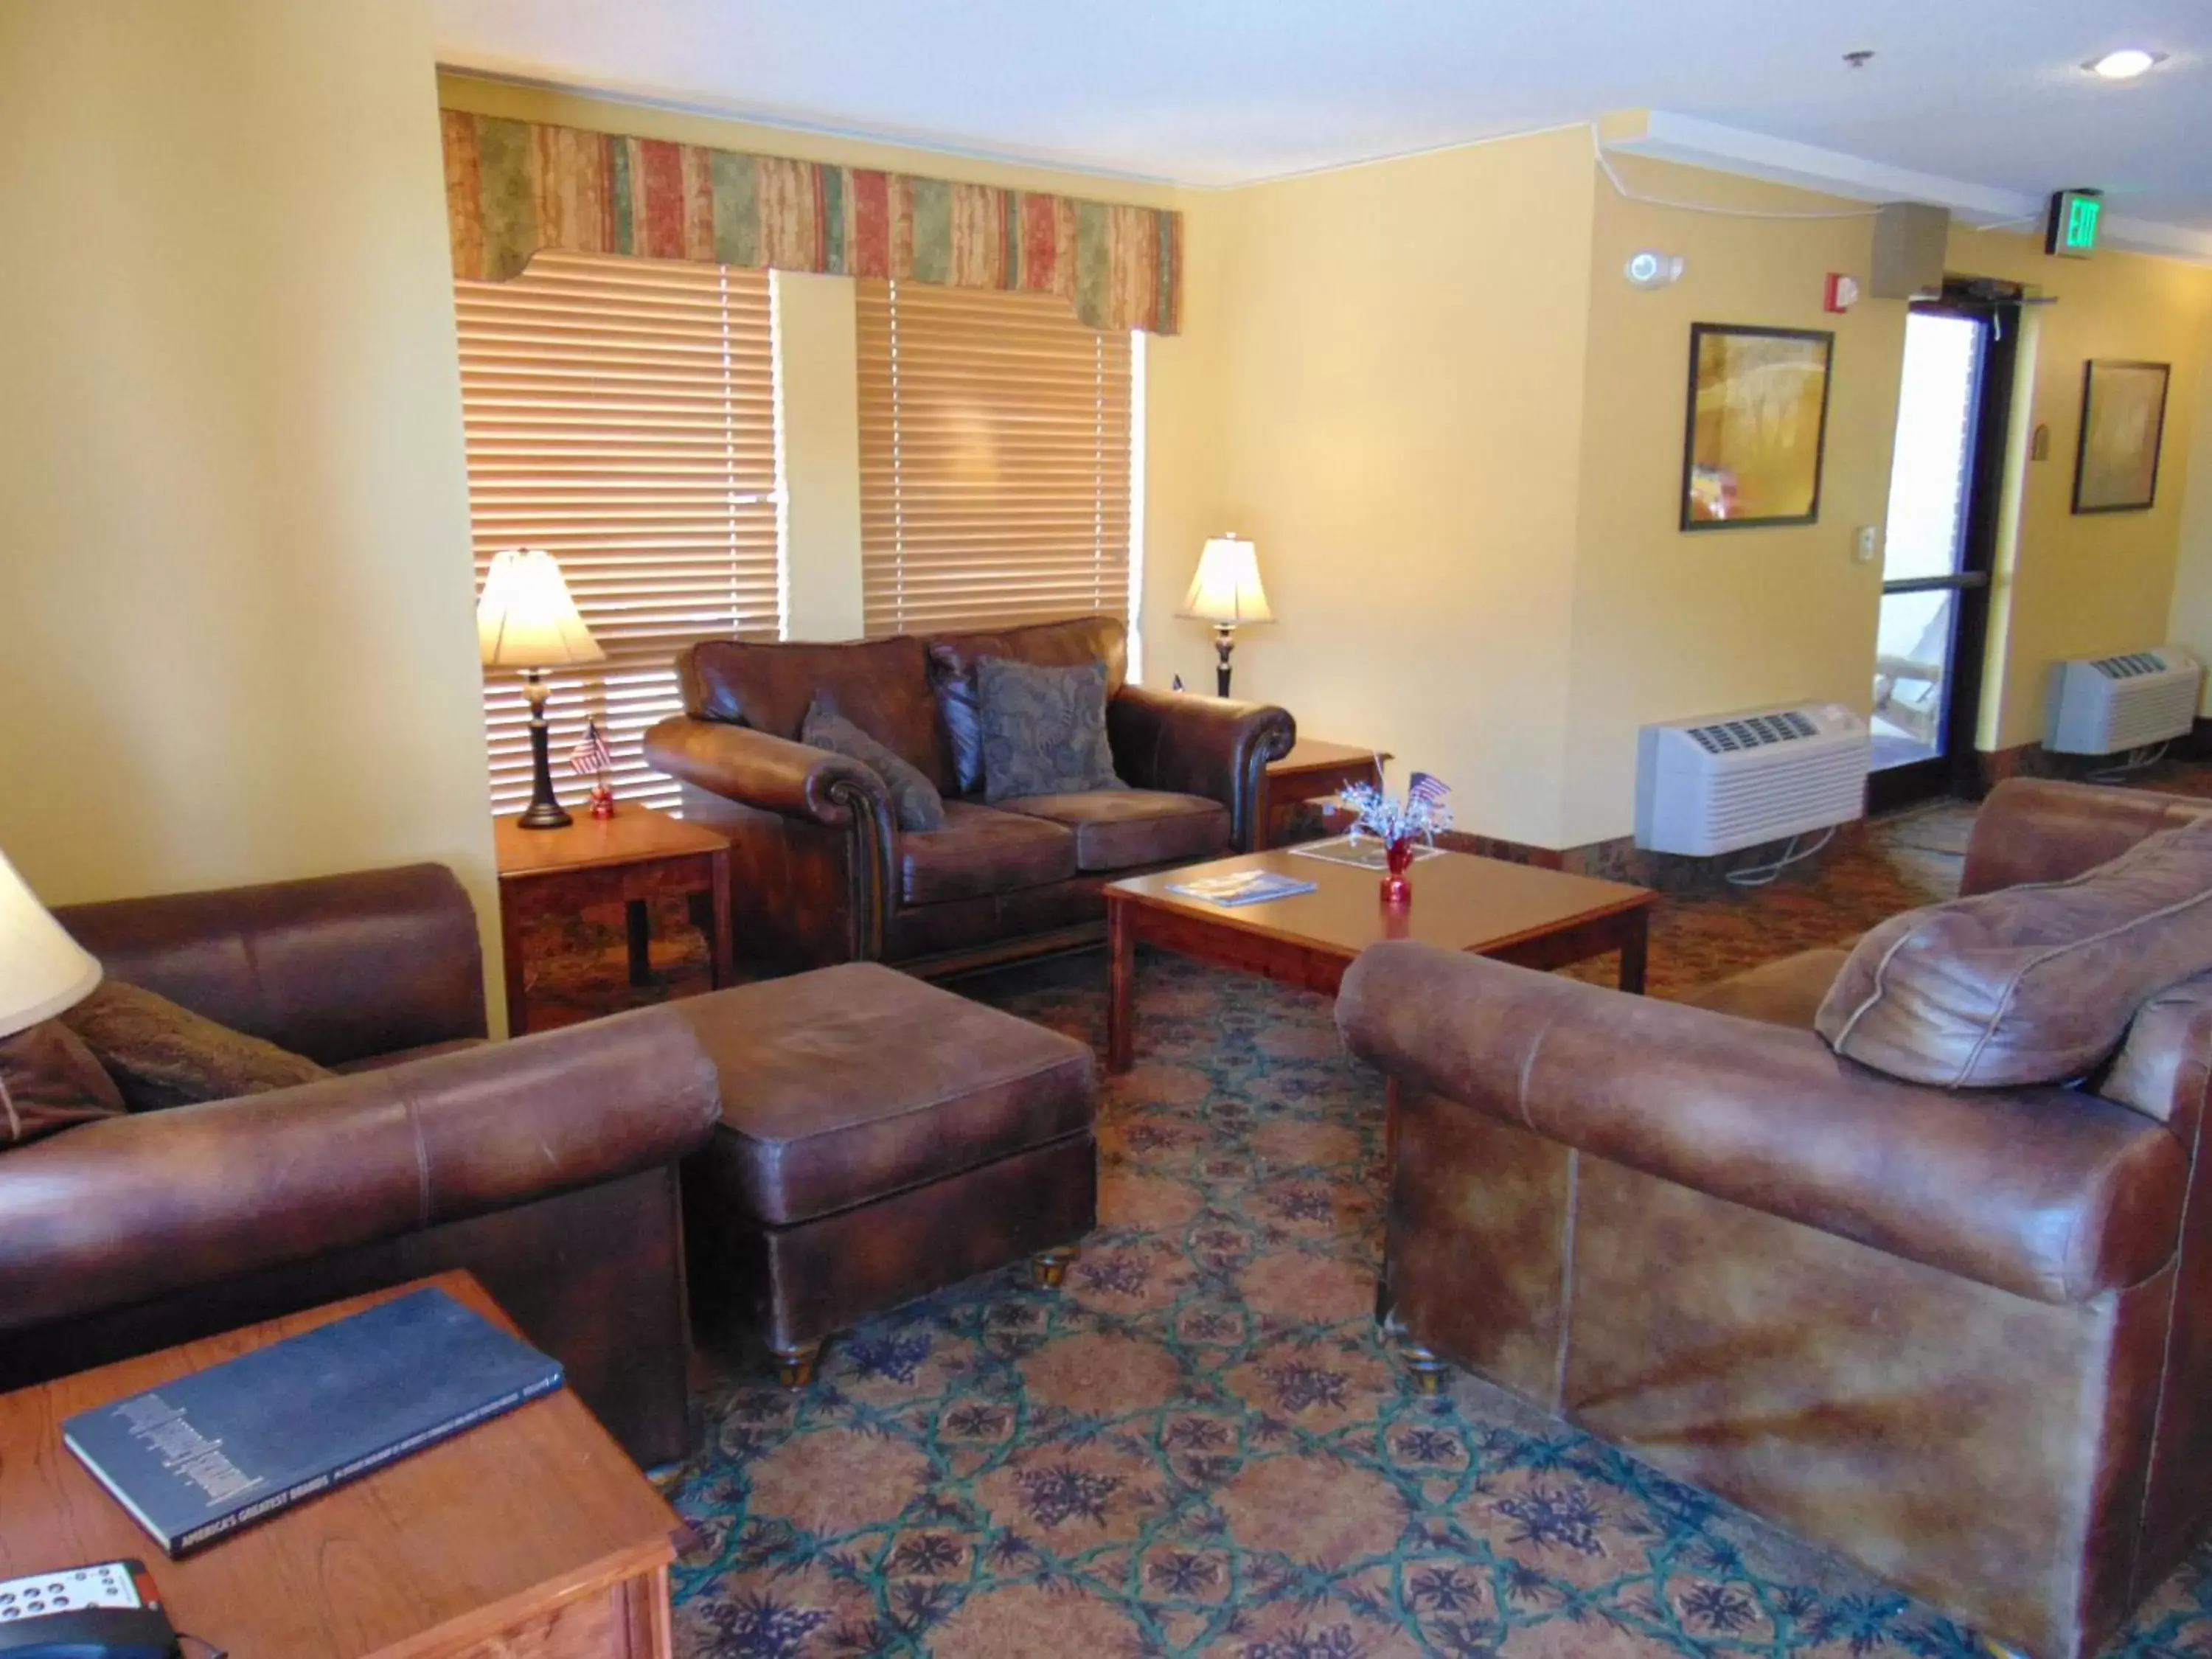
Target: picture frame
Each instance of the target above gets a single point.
(2123, 426)
(1754, 426)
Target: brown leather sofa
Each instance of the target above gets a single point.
(820, 871)
(1964, 1337)
(546, 1166)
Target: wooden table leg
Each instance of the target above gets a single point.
(721, 945)
(641, 943)
(1635, 948)
(518, 996)
(1121, 985)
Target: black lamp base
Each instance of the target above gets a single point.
(545, 810)
(1224, 642)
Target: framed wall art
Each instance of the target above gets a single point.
(1757, 424)
(2123, 419)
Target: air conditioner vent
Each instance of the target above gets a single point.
(1716, 785)
(1751, 731)
(2110, 705)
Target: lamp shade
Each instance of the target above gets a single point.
(524, 617)
(1226, 590)
(42, 969)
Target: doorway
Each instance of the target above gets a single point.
(1947, 479)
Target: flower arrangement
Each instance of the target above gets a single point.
(1398, 822)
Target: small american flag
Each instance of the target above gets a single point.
(591, 754)
(1426, 789)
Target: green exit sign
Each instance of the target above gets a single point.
(2075, 215)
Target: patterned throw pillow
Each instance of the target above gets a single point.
(50, 1081)
(1044, 729)
(914, 801)
(162, 1055)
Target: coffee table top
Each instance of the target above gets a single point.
(1460, 902)
(452, 1541)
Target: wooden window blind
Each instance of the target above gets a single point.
(995, 460)
(621, 415)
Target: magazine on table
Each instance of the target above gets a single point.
(1368, 853)
(1243, 887)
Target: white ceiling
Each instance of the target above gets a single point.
(1988, 97)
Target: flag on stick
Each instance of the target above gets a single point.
(1426, 789)
(591, 754)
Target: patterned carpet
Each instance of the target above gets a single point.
(1200, 1447)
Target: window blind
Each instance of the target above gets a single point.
(621, 415)
(995, 460)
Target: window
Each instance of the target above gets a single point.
(621, 415)
(995, 447)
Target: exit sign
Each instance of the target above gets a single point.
(2075, 214)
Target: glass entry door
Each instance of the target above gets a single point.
(1945, 475)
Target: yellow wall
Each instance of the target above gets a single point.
(1402, 400)
(2190, 620)
(234, 541)
(1668, 625)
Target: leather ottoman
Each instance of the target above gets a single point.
(880, 1139)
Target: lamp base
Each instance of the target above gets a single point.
(545, 810)
(1224, 642)
(545, 815)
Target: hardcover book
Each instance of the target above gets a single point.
(1243, 887)
(199, 1457)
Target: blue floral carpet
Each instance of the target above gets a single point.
(1201, 1447)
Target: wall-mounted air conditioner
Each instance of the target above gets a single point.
(1728, 781)
(2109, 705)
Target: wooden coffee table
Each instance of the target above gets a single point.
(1514, 911)
(530, 1535)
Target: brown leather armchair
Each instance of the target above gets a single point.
(546, 1166)
(821, 873)
(1964, 1337)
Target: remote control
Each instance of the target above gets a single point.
(71, 1589)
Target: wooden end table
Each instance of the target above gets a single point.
(1514, 911)
(532, 1535)
(631, 859)
(1314, 769)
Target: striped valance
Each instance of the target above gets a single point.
(513, 187)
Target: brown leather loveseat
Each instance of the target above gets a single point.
(546, 1166)
(1963, 1336)
(822, 873)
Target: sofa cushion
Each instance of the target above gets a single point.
(1120, 829)
(847, 1085)
(1044, 729)
(882, 686)
(50, 1081)
(952, 659)
(914, 800)
(1785, 992)
(161, 1055)
(2028, 984)
(981, 851)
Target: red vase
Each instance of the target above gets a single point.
(1397, 891)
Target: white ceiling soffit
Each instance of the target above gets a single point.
(1731, 149)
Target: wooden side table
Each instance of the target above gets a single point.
(632, 858)
(1313, 770)
(532, 1535)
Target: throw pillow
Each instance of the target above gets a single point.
(50, 1081)
(954, 682)
(163, 1055)
(2032, 984)
(914, 801)
(1043, 729)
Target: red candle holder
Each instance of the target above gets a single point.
(1397, 891)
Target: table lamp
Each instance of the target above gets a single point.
(42, 969)
(1226, 592)
(525, 620)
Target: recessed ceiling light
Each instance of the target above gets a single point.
(2125, 65)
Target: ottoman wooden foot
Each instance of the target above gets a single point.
(1050, 1266)
(794, 1367)
(1427, 1369)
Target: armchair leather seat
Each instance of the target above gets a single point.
(980, 851)
(1122, 829)
(1785, 992)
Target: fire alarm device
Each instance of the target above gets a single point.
(1843, 292)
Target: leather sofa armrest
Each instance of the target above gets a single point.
(2048, 1193)
(1204, 746)
(755, 770)
(134, 1208)
(2037, 829)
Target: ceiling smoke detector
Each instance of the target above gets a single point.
(1859, 59)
